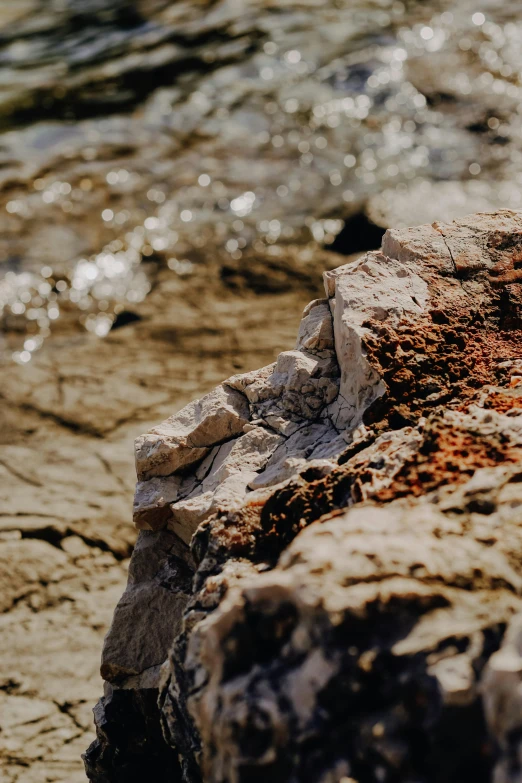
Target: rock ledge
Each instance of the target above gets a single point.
(327, 586)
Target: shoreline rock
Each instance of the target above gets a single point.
(353, 514)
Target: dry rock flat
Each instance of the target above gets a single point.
(327, 582)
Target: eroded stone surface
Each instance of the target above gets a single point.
(374, 289)
(159, 583)
(502, 693)
(357, 540)
(187, 437)
(323, 659)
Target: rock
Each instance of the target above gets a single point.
(24, 565)
(187, 437)
(227, 474)
(355, 520)
(502, 693)
(130, 744)
(29, 725)
(160, 576)
(422, 245)
(152, 500)
(222, 478)
(92, 120)
(350, 650)
(376, 288)
(315, 330)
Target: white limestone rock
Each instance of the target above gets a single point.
(152, 500)
(316, 329)
(373, 288)
(226, 475)
(422, 245)
(481, 241)
(304, 397)
(465, 245)
(187, 437)
(219, 482)
(299, 387)
(311, 444)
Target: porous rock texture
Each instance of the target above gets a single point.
(328, 583)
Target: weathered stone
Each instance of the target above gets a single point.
(373, 289)
(152, 501)
(356, 541)
(130, 745)
(422, 245)
(502, 693)
(187, 437)
(357, 621)
(24, 565)
(316, 329)
(229, 471)
(28, 726)
(159, 585)
(487, 241)
(297, 387)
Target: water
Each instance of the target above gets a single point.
(146, 133)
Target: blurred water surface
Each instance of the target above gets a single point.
(143, 133)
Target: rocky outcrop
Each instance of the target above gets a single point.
(327, 585)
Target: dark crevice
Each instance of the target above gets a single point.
(50, 535)
(358, 235)
(124, 318)
(69, 424)
(449, 251)
(55, 536)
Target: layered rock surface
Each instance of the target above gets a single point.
(327, 585)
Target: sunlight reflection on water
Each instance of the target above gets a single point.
(175, 135)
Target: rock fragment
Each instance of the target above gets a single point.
(187, 437)
(375, 288)
(159, 586)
